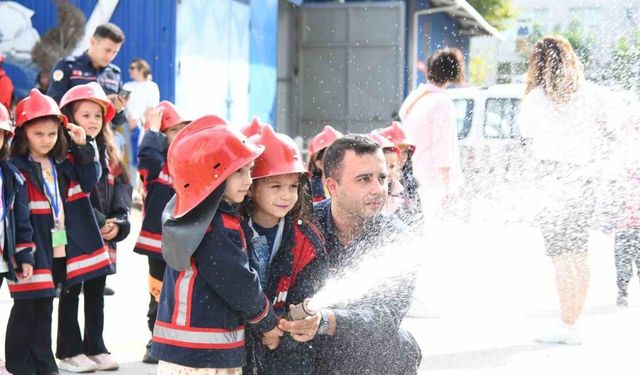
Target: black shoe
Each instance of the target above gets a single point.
(148, 358)
(108, 291)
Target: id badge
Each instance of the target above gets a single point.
(59, 242)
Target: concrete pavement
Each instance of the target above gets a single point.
(494, 293)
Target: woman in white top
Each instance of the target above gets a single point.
(144, 96)
(565, 120)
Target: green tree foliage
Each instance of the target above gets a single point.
(498, 13)
(625, 61)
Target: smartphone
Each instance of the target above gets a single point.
(119, 221)
(124, 93)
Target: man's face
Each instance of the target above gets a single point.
(362, 189)
(102, 51)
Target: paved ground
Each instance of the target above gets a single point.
(494, 293)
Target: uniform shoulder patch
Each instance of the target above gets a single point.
(115, 68)
(70, 59)
(58, 75)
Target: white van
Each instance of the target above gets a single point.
(490, 143)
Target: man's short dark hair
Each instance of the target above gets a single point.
(109, 31)
(334, 154)
(446, 65)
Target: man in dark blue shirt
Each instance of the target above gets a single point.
(93, 66)
(362, 337)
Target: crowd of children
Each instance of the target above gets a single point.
(227, 227)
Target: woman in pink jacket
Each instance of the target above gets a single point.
(428, 116)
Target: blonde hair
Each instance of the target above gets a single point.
(554, 67)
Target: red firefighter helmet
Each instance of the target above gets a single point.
(322, 140)
(93, 92)
(170, 116)
(203, 155)
(396, 135)
(5, 120)
(37, 105)
(382, 141)
(280, 156)
(254, 128)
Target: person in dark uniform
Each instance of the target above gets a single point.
(94, 65)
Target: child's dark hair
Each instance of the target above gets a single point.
(312, 163)
(20, 144)
(4, 150)
(104, 139)
(302, 210)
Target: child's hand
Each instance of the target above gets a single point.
(27, 272)
(271, 339)
(154, 119)
(77, 134)
(110, 230)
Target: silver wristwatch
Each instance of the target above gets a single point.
(323, 328)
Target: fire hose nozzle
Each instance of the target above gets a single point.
(301, 310)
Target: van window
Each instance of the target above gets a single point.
(500, 118)
(464, 115)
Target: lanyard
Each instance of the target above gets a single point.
(276, 242)
(53, 198)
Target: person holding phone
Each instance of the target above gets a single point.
(94, 65)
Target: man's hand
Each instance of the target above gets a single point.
(77, 134)
(271, 339)
(27, 272)
(301, 330)
(154, 119)
(118, 101)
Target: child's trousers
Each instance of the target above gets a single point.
(28, 340)
(627, 251)
(70, 340)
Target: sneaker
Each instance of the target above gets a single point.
(104, 361)
(108, 291)
(561, 334)
(148, 358)
(79, 363)
(622, 299)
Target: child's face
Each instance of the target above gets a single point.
(88, 115)
(42, 135)
(238, 184)
(393, 164)
(173, 131)
(275, 196)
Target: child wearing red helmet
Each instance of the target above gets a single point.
(410, 210)
(317, 146)
(285, 249)
(16, 233)
(69, 248)
(209, 290)
(163, 123)
(89, 107)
